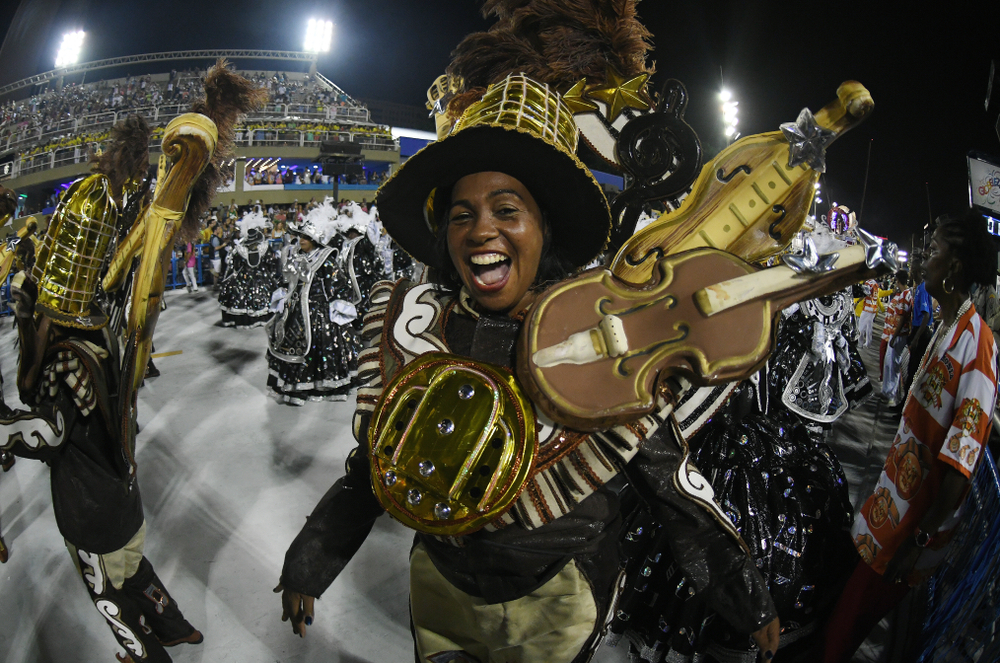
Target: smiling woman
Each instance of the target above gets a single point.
(516, 523)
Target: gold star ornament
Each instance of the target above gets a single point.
(576, 98)
(620, 93)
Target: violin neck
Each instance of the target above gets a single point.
(783, 286)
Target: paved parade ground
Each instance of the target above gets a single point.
(228, 476)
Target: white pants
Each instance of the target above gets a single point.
(891, 366)
(865, 328)
(189, 279)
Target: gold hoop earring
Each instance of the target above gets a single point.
(944, 286)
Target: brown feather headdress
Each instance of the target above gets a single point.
(126, 157)
(552, 41)
(227, 96)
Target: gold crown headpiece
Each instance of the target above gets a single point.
(69, 261)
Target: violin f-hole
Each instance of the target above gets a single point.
(772, 230)
(655, 252)
(722, 177)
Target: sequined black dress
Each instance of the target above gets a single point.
(362, 269)
(783, 489)
(312, 345)
(252, 276)
(816, 370)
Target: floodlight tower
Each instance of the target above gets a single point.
(319, 34)
(69, 50)
(730, 108)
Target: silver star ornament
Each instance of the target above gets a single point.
(810, 261)
(807, 141)
(878, 252)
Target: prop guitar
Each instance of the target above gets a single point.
(753, 197)
(595, 350)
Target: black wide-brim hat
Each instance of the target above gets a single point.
(527, 133)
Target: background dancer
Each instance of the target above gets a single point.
(357, 260)
(312, 346)
(870, 288)
(921, 322)
(894, 334)
(775, 477)
(252, 276)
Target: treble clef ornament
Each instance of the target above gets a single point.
(661, 153)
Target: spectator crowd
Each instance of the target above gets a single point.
(80, 115)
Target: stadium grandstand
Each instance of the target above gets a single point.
(51, 124)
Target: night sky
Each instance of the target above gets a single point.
(927, 70)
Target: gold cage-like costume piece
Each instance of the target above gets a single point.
(519, 102)
(69, 261)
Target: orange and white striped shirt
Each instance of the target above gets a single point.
(946, 422)
(897, 314)
(871, 295)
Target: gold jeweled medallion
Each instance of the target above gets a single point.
(452, 442)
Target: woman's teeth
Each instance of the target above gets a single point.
(490, 269)
(487, 258)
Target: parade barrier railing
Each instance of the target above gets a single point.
(175, 278)
(202, 269)
(963, 611)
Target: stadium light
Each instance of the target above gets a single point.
(69, 50)
(319, 34)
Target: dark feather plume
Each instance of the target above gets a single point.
(553, 41)
(228, 96)
(126, 156)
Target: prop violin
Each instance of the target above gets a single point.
(595, 349)
(753, 197)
